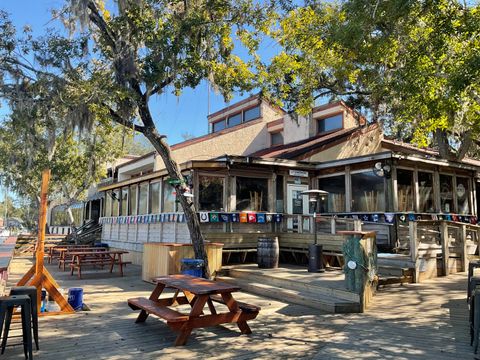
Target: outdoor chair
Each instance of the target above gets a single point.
(31, 291)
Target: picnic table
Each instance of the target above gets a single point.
(65, 253)
(197, 292)
(54, 251)
(83, 258)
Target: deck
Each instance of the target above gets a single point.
(414, 321)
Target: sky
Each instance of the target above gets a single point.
(174, 115)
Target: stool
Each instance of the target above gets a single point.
(7, 305)
(31, 291)
(472, 283)
(471, 266)
(476, 319)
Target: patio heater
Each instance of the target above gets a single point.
(315, 263)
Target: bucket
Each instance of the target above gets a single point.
(75, 298)
(193, 267)
(267, 252)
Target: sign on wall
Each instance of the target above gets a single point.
(299, 173)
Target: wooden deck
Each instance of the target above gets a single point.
(414, 321)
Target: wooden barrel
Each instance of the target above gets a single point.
(267, 252)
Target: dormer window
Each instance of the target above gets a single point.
(251, 114)
(237, 119)
(219, 125)
(330, 123)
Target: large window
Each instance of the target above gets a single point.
(335, 201)
(124, 201)
(169, 197)
(251, 114)
(446, 193)
(116, 202)
(133, 200)
(143, 199)
(210, 195)
(235, 120)
(252, 194)
(108, 203)
(155, 197)
(219, 125)
(463, 195)
(425, 192)
(331, 123)
(368, 192)
(405, 190)
(276, 138)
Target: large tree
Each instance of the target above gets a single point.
(413, 64)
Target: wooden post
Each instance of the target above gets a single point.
(333, 225)
(463, 239)
(357, 225)
(445, 249)
(412, 233)
(300, 224)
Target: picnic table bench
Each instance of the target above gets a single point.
(54, 251)
(66, 254)
(197, 292)
(97, 258)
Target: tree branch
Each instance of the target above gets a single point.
(122, 121)
(102, 25)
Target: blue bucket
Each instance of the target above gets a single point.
(193, 267)
(75, 298)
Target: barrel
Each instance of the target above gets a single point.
(75, 298)
(267, 252)
(193, 267)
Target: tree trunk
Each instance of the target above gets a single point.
(444, 149)
(162, 147)
(71, 220)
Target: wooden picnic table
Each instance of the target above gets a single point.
(65, 253)
(54, 250)
(197, 292)
(101, 258)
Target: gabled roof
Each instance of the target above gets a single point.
(313, 144)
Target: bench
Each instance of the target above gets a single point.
(111, 258)
(155, 308)
(248, 308)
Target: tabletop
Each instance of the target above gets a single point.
(195, 285)
(109, 252)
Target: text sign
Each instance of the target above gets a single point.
(299, 173)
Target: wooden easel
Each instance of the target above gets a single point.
(38, 274)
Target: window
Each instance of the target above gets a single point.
(219, 125)
(155, 197)
(124, 202)
(116, 202)
(425, 192)
(463, 195)
(108, 204)
(251, 114)
(335, 201)
(405, 190)
(368, 192)
(235, 120)
(280, 196)
(331, 123)
(143, 199)
(169, 197)
(276, 139)
(446, 193)
(252, 194)
(133, 200)
(210, 195)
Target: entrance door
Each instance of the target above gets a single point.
(297, 204)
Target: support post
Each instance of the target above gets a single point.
(463, 240)
(445, 249)
(412, 233)
(333, 225)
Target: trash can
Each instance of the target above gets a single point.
(75, 298)
(193, 267)
(315, 254)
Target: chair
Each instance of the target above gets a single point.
(31, 291)
(7, 305)
(471, 266)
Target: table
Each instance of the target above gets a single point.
(197, 292)
(95, 257)
(65, 253)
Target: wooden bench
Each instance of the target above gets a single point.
(102, 258)
(155, 308)
(248, 308)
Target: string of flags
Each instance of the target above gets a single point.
(205, 217)
(390, 218)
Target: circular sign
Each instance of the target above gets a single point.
(352, 265)
(461, 190)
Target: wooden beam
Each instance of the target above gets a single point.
(412, 233)
(445, 249)
(463, 239)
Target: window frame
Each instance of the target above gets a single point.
(322, 118)
(157, 181)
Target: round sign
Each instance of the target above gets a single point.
(352, 265)
(460, 190)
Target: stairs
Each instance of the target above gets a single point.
(323, 291)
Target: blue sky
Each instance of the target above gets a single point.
(174, 115)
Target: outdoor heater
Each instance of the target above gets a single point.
(315, 263)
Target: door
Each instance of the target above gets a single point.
(297, 204)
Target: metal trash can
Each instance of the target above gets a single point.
(315, 254)
(193, 267)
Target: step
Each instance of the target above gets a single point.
(301, 286)
(397, 261)
(386, 270)
(320, 302)
(383, 281)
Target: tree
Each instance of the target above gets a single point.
(413, 64)
(146, 47)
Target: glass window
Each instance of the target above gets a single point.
(108, 204)
(155, 197)
(276, 139)
(425, 192)
(210, 195)
(335, 201)
(446, 193)
(219, 125)
(133, 200)
(368, 192)
(331, 123)
(252, 194)
(169, 196)
(405, 190)
(235, 120)
(143, 199)
(115, 202)
(251, 114)
(124, 202)
(280, 196)
(463, 195)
